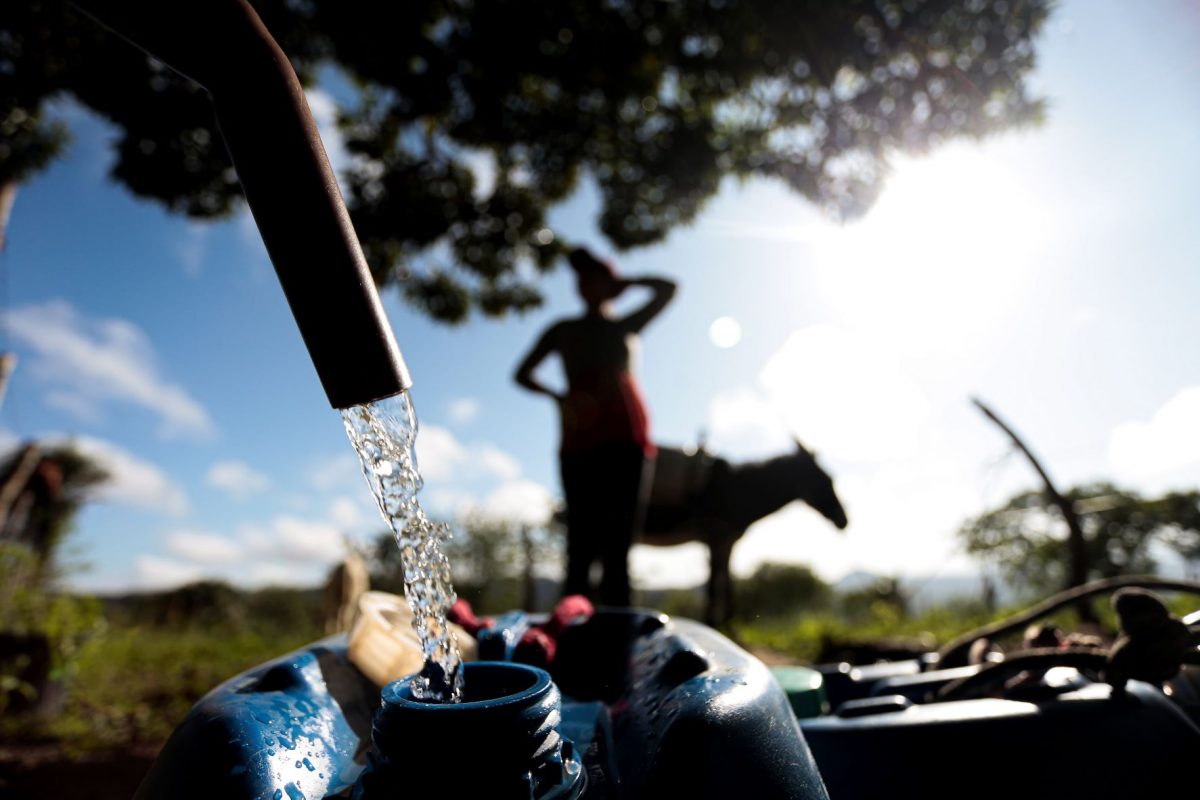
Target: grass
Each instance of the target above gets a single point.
(803, 636)
(134, 685)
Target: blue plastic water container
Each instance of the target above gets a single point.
(634, 706)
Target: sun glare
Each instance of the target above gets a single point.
(942, 255)
(725, 332)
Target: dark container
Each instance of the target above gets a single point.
(502, 741)
(1083, 744)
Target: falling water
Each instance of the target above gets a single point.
(384, 434)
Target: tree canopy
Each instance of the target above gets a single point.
(471, 120)
(1025, 539)
(42, 488)
(776, 590)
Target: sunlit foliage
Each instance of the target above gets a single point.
(472, 120)
(1027, 539)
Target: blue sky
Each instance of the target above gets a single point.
(1052, 272)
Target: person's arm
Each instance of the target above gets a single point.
(663, 290)
(546, 345)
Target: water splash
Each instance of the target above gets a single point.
(384, 434)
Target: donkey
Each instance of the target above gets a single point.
(696, 497)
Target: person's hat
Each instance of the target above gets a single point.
(583, 262)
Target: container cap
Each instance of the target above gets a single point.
(805, 690)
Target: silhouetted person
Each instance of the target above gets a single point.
(605, 427)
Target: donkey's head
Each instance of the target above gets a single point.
(816, 486)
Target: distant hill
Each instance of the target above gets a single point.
(927, 591)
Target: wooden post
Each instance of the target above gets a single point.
(8, 362)
(528, 589)
(1076, 545)
(24, 465)
(8, 196)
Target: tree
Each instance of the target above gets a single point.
(1023, 539)
(168, 148)
(41, 490)
(495, 560)
(781, 590)
(884, 598)
(471, 120)
(1076, 546)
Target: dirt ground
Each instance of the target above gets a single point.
(46, 772)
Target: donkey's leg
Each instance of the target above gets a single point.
(720, 586)
(711, 591)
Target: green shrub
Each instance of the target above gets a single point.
(136, 684)
(29, 608)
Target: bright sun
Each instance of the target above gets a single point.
(942, 255)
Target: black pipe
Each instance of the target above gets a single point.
(287, 180)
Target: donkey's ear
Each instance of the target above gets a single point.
(800, 446)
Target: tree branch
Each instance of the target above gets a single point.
(1076, 545)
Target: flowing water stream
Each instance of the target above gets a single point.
(384, 434)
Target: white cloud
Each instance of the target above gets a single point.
(1168, 443)
(439, 453)
(237, 478)
(190, 248)
(518, 501)
(354, 513)
(296, 540)
(202, 547)
(834, 391)
(78, 406)
(282, 550)
(497, 463)
(446, 503)
(294, 548)
(464, 410)
(442, 457)
(843, 396)
(164, 573)
(102, 360)
(521, 501)
(476, 478)
(132, 481)
(274, 573)
(340, 471)
(683, 566)
(741, 423)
